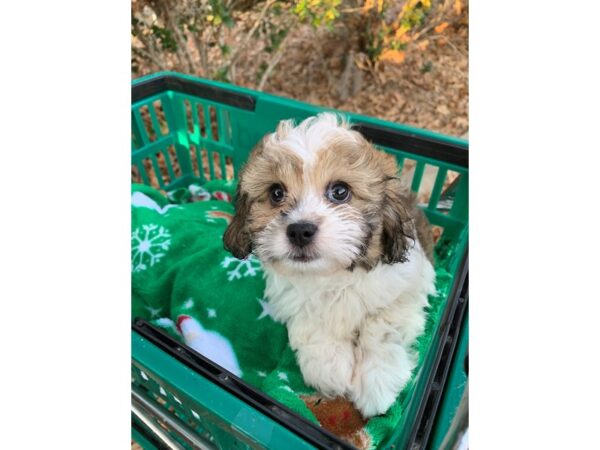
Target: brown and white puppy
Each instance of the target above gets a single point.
(346, 256)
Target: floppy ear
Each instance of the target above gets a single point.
(397, 223)
(237, 237)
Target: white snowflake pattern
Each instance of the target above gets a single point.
(143, 201)
(212, 313)
(261, 373)
(248, 267)
(148, 245)
(153, 311)
(282, 376)
(266, 309)
(189, 303)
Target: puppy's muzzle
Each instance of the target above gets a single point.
(301, 234)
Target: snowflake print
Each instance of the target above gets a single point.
(153, 311)
(266, 309)
(282, 376)
(148, 245)
(248, 267)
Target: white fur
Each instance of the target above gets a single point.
(340, 236)
(352, 330)
(323, 313)
(336, 245)
(310, 136)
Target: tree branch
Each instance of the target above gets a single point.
(149, 56)
(182, 48)
(274, 61)
(244, 43)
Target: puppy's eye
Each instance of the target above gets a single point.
(277, 193)
(338, 192)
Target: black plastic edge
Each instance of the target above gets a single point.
(148, 435)
(412, 143)
(164, 83)
(307, 430)
(449, 332)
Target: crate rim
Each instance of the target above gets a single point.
(246, 99)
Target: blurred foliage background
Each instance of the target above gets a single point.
(404, 61)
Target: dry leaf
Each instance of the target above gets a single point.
(441, 27)
(423, 45)
(457, 7)
(443, 110)
(399, 100)
(395, 56)
(368, 5)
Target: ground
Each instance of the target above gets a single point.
(429, 89)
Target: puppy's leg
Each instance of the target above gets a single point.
(327, 366)
(383, 367)
(326, 361)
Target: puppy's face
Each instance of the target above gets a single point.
(319, 198)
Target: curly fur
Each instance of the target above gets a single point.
(354, 303)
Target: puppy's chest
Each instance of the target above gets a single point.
(344, 300)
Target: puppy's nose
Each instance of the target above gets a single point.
(301, 233)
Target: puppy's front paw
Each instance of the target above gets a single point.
(375, 399)
(377, 383)
(327, 367)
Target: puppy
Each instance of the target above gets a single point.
(346, 253)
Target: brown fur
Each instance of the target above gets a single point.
(390, 217)
(237, 238)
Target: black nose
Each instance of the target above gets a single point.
(301, 233)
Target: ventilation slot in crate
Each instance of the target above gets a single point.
(209, 171)
(196, 162)
(161, 117)
(229, 169)
(214, 124)
(136, 176)
(150, 123)
(219, 165)
(152, 172)
(202, 121)
(176, 167)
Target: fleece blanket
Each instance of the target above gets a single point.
(185, 282)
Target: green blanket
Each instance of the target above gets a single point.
(185, 282)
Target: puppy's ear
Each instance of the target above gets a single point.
(237, 236)
(397, 233)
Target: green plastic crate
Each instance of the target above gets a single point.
(199, 128)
